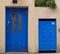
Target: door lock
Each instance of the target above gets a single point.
(8, 22)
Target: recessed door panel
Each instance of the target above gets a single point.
(16, 30)
(47, 34)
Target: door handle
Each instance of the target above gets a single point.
(8, 22)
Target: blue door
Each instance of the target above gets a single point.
(16, 29)
(47, 35)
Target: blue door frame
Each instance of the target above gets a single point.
(16, 29)
(47, 35)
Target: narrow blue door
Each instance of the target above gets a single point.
(47, 35)
(16, 29)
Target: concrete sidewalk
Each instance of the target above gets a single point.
(27, 53)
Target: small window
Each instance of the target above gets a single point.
(13, 21)
(19, 21)
(14, 1)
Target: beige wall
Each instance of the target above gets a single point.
(33, 14)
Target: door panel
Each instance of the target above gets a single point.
(47, 35)
(16, 30)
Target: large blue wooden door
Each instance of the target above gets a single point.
(47, 35)
(16, 29)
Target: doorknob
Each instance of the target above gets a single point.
(8, 22)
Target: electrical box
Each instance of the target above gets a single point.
(14, 1)
(47, 35)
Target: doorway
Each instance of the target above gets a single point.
(16, 30)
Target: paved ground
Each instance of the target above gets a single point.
(32, 53)
(28, 53)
